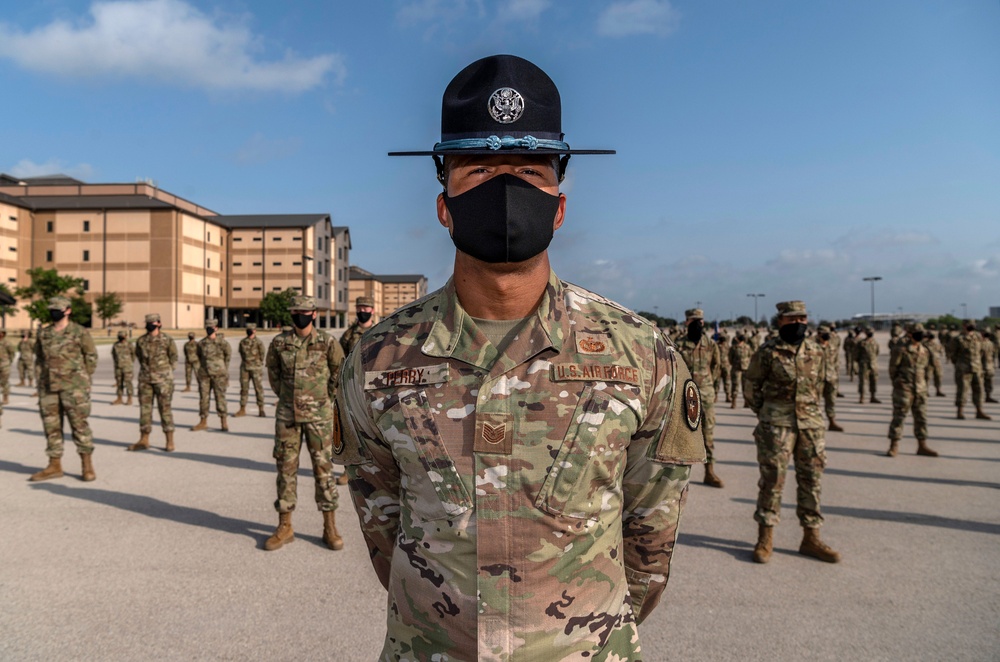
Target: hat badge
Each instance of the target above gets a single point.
(506, 105)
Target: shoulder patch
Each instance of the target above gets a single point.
(683, 438)
(416, 376)
(692, 405)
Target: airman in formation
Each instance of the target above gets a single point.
(123, 355)
(213, 375)
(251, 370)
(866, 351)
(157, 355)
(701, 354)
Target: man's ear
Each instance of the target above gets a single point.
(444, 216)
(560, 213)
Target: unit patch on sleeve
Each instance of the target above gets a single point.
(417, 376)
(692, 404)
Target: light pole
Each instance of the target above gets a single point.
(965, 311)
(872, 279)
(755, 297)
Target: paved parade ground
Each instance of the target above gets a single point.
(161, 558)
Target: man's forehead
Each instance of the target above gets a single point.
(466, 160)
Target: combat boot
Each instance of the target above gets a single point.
(170, 441)
(839, 394)
(330, 535)
(990, 398)
(6, 399)
(765, 544)
(732, 405)
(86, 459)
(142, 444)
(861, 399)
(875, 401)
(710, 478)
(343, 478)
(893, 448)
(960, 416)
(980, 414)
(186, 389)
(129, 401)
(833, 427)
(202, 424)
(54, 470)
(117, 401)
(816, 548)
(924, 449)
(939, 393)
(261, 414)
(21, 383)
(241, 412)
(224, 425)
(283, 534)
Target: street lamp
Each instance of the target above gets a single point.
(755, 297)
(965, 311)
(872, 279)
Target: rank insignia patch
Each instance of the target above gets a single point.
(592, 343)
(692, 404)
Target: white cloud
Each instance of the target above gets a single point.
(810, 258)
(427, 11)
(522, 10)
(883, 239)
(638, 17)
(165, 40)
(260, 149)
(28, 168)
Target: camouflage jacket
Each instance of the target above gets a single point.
(739, 355)
(989, 356)
(191, 352)
(908, 366)
(786, 383)
(934, 352)
(849, 346)
(65, 360)
(351, 337)
(723, 345)
(866, 351)
(123, 354)
(830, 356)
(213, 357)
(26, 350)
(157, 358)
(252, 353)
(702, 358)
(521, 505)
(966, 353)
(836, 342)
(7, 351)
(303, 373)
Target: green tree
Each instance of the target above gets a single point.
(274, 307)
(8, 304)
(108, 306)
(47, 283)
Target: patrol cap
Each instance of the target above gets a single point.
(58, 303)
(122, 335)
(823, 328)
(694, 314)
(913, 328)
(302, 302)
(152, 318)
(968, 322)
(791, 308)
(191, 335)
(286, 328)
(501, 103)
(251, 326)
(365, 301)
(212, 322)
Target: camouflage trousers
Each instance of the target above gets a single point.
(5, 379)
(867, 373)
(207, 385)
(988, 382)
(851, 367)
(965, 380)
(723, 380)
(934, 371)
(735, 384)
(256, 375)
(189, 370)
(830, 398)
(708, 421)
(74, 405)
(123, 382)
(164, 395)
(26, 371)
(905, 398)
(776, 446)
(318, 437)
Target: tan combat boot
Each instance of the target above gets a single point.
(939, 393)
(924, 449)
(816, 548)
(87, 460)
(732, 404)
(283, 534)
(980, 414)
(261, 414)
(117, 401)
(241, 412)
(186, 389)
(343, 478)
(875, 401)
(170, 441)
(893, 448)
(142, 444)
(960, 416)
(129, 401)
(765, 544)
(54, 470)
(861, 399)
(710, 478)
(202, 424)
(21, 383)
(330, 535)
(224, 425)
(6, 399)
(833, 427)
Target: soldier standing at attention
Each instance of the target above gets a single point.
(866, 351)
(26, 359)
(124, 356)
(519, 448)
(157, 354)
(701, 355)
(7, 352)
(302, 369)
(967, 356)
(836, 342)
(191, 361)
(739, 360)
(66, 358)
(823, 338)
(908, 372)
(850, 352)
(722, 379)
(786, 379)
(989, 351)
(936, 352)
(251, 369)
(364, 307)
(213, 375)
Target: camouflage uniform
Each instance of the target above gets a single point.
(702, 359)
(989, 354)
(354, 332)
(850, 354)
(123, 354)
(66, 360)
(935, 354)
(157, 356)
(739, 360)
(722, 379)
(251, 369)
(520, 502)
(213, 373)
(968, 359)
(830, 356)
(866, 352)
(26, 361)
(7, 351)
(908, 372)
(191, 361)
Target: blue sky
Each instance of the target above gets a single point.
(785, 148)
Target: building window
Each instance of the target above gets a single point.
(11, 280)
(237, 238)
(86, 256)
(340, 296)
(256, 289)
(86, 226)
(257, 239)
(237, 289)
(237, 264)
(48, 226)
(209, 237)
(296, 264)
(12, 249)
(319, 268)
(48, 256)
(275, 238)
(86, 285)
(208, 289)
(209, 263)
(256, 264)
(14, 219)
(297, 288)
(319, 292)
(296, 238)
(276, 264)
(276, 289)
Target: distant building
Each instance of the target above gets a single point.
(390, 292)
(995, 312)
(886, 320)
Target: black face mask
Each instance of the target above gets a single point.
(824, 336)
(740, 338)
(249, 332)
(695, 331)
(970, 328)
(869, 334)
(918, 335)
(150, 327)
(209, 330)
(364, 316)
(301, 320)
(57, 315)
(504, 219)
(793, 333)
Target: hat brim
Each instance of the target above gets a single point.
(494, 152)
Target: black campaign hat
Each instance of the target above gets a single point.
(501, 104)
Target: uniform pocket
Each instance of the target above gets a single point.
(584, 480)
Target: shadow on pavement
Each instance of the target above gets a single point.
(738, 549)
(15, 468)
